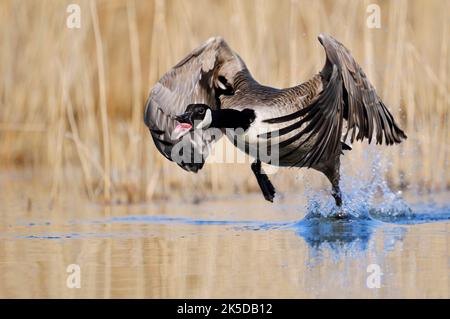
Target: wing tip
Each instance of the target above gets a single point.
(401, 136)
(323, 37)
(215, 39)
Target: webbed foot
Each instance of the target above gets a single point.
(263, 181)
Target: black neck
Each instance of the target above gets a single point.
(228, 118)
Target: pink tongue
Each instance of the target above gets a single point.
(180, 130)
(184, 126)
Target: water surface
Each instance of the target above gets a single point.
(234, 247)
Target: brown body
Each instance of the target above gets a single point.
(311, 121)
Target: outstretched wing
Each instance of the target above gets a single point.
(198, 78)
(347, 94)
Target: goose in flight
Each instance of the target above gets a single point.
(211, 89)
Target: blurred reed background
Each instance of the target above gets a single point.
(71, 100)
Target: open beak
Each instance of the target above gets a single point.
(183, 118)
(183, 127)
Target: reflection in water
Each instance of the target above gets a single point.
(234, 248)
(134, 254)
(368, 201)
(339, 236)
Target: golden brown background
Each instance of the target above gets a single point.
(71, 100)
(71, 126)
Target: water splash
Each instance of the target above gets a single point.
(367, 199)
(364, 197)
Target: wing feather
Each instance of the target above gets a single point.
(192, 80)
(347, 95)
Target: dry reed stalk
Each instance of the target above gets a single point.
(88, 180)
(96, 125)
(102, 102)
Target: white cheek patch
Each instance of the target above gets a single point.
(221, 85)
(206, 121)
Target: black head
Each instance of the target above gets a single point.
(196, 116)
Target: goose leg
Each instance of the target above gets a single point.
(333, 176)
(263, 181)
(332, 173)
(336, 193)
(335, 189)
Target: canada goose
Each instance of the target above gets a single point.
(213, 88)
